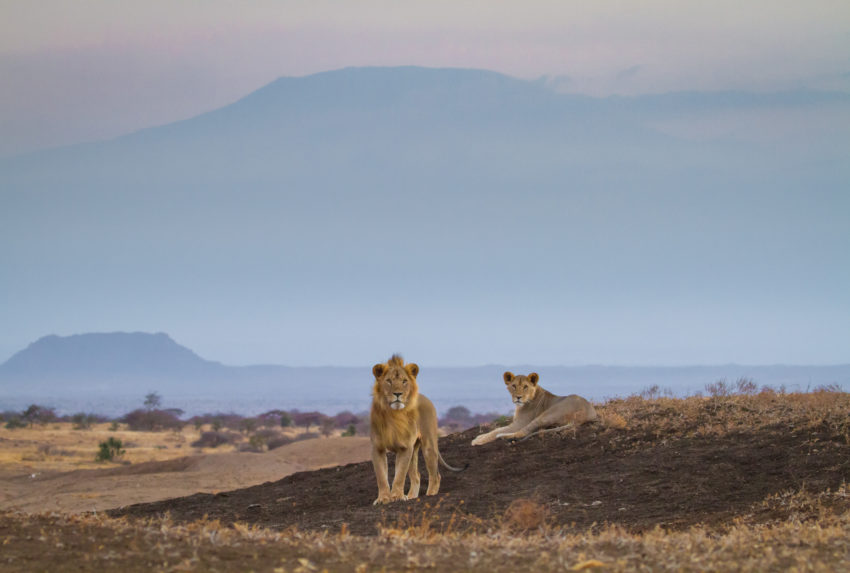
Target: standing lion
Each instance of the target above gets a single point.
(402, 421)
(537, 408)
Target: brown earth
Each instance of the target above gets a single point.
(638, 478)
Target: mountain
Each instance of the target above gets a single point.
(97, 355)
(115, 366)
(461, 212)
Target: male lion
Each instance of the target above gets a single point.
(402, 421)
(537, 408)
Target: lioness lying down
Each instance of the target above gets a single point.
(536, 408)
(403, 420)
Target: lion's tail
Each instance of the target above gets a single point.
(448, 467)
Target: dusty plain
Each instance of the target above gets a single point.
(53, 467)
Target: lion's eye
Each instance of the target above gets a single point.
(405, 382)
(513, 386)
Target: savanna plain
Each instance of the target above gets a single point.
(737, 479)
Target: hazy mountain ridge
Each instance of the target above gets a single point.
(291, 202)
(413, 102)
(96, 354)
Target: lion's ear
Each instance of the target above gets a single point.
(412, 369)
(379, 369)
(508, 376)
(533, 378)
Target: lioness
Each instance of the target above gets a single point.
(402, 421)
(537, 408)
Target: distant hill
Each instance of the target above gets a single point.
(110, 373)
(105, 369)
(110, 363)
(106, 354)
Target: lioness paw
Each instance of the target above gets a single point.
(482, 439)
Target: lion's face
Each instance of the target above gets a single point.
(522, 388)
(395, 382)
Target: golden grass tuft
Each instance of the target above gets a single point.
(612, 419)
(525, 515)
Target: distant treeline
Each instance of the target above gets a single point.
(153, 418)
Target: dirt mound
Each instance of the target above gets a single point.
(640, 478)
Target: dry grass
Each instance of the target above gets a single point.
(58, 447)
(726, 413)
(820, 544)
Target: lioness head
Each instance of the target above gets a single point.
(522, 388)
(395, 383)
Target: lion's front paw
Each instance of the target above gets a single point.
(482, 439)
(382, 498)
(509, 436)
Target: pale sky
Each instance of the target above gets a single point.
(86, 70)
(758, 275)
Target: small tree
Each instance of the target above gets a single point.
(152, 420)
(718, 389)
(308, 419)
(40, 414)
(345, 419)
(327, 426)
(109, 450)
(214, 439)
(456, 418)
(459, 413)
(248, 425)
(83, 421)
(270, 419)
(285, 420)
(746, 386)
(15, 422)
(152, 400)
(350, 431)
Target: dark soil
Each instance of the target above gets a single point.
(593, 476)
